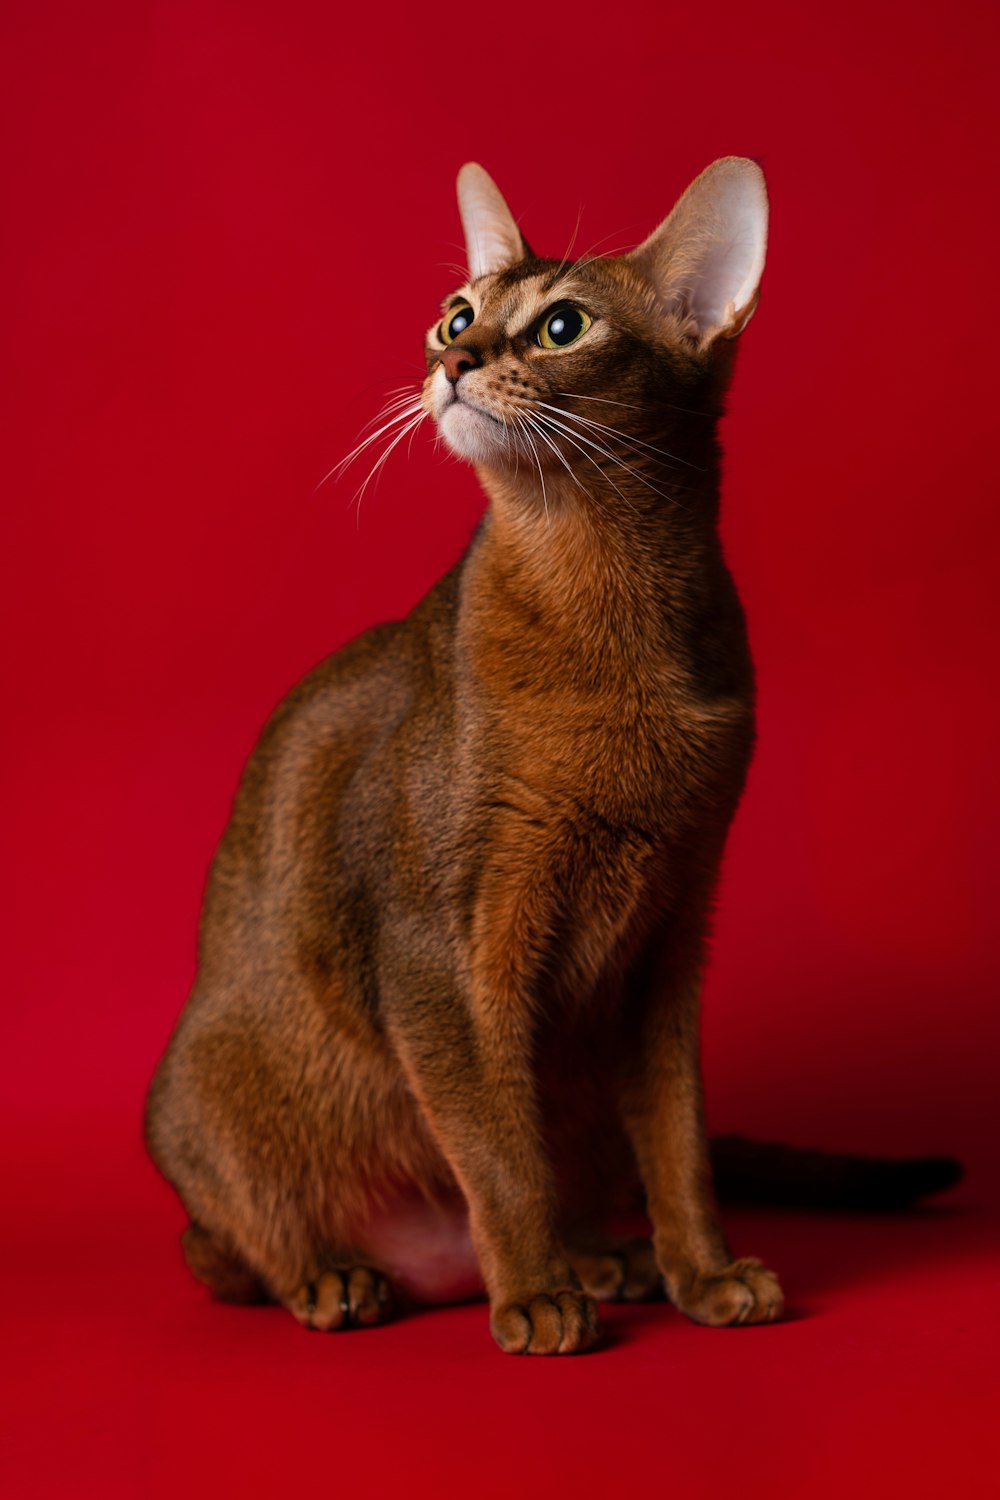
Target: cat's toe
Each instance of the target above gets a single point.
(558, 1322)
(622, 1271)
(743, 1292)
(351, 1297)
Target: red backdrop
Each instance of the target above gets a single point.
(227, 228)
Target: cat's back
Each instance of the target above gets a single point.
(320, 763)
(289, 917)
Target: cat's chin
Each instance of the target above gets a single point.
(474, 435)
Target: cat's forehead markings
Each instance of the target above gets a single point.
(513, 298)
(535, 298)
(513, 279)
(516, 300)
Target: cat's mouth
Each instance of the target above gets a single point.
(480, 411)
(473, 433)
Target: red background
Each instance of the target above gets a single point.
(227, 228)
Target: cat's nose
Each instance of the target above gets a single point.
(457, 360)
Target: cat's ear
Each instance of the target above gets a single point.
(705, 260)
(492, 238)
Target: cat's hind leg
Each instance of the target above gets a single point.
(347, 1296)
(614, 1268)
(276, 1191)
(221, 1268)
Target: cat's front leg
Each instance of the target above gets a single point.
(468, 1060)
(662, 1107)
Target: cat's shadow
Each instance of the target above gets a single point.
(820, 1254)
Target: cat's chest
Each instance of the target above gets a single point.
(587, 830)
(661, 758)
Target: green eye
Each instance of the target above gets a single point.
(563, 326)
(455, 323)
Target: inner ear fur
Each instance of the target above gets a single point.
(706, 259)
(492, 238)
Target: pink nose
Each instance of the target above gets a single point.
(457, 360)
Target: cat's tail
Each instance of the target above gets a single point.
(797, 1177)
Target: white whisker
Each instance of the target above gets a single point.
(634, 442)
(606, 399)
(590, 459)
(534, 453)
(535, 425)
(688, 411)
(572, 241)
(390, 409)
(376, 468)
(407, 409)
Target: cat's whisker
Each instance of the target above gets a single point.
(408, 409)
(638, 450)
(515, 445)
(613, 433)
(592, 443)
(462, 270)
(560, 456)
(407, 389)
(396, 400)
(590, 459)
(413, 381)
(534, 422)
(448, 265)
(376, 468)
(575, 416)
(391, 412)
(588, 253)
(605, 399)
(521, 436)
(410, 420)
(687, 411)
(538, 465)
(572, 241)
(614, 459)
(413, 432)
(390, 408)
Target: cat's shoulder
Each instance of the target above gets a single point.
(378, 671)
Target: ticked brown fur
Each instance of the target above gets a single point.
(452, 943)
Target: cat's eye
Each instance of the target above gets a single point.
(456, 321)
(563, 326)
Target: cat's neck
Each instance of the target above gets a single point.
(606, 582)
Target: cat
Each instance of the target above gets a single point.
(445, 1024)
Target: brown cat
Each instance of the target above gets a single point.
(446, 1015)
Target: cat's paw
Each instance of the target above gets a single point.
(623, 1270)
(743, 1292)
(351, 1297)
(563, 1321)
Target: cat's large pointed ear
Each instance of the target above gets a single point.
(706, 258)
(492, 238)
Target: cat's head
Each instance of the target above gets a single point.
(559, 364)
